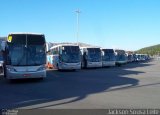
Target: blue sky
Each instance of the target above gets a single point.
(124, 24)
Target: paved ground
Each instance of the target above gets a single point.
(135, 85)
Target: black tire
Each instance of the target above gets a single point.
(85, 64)
(41, 79)
(1, 69)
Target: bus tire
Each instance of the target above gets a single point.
(41, 79)
(119, 65)
(81, 66)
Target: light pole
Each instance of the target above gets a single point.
(77, 35)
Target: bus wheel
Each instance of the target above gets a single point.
(119, 65)
(42, 78)
(81, 66)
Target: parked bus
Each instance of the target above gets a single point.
(121, 57)
(91, 57)
(108, 57)
(134, 57)
(65, 57)
(130, 57)
(1, 62)
(142, 57)
(24, 56)
(139, 57)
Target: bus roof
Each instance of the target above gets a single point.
(107, 49)
(116, 50)
(27, 33)
(89, 47)
(63, 45)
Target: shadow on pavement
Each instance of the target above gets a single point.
(63, 85)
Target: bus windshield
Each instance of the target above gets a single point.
(94, 54)
(121, 57)
(26, 50)
(70, 54)
(130, 57)
(108, 55)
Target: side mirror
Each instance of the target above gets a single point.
(3, 46)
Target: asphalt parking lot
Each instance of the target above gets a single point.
(135, 85)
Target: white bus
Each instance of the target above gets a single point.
(24, 56)
(65, 57)
(121, 57)
(108, 57)
(130, 57)
(142, 57)
(91, 57)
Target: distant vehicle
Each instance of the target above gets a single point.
(65, 57)
(144, 57)
(140, 57)
(121, 57)
(25, 56)
(134, 57)
(130, 58)
(91, 57)
(108, 57)
(1, 62)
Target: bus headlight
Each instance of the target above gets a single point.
(41, 68)
(11, 69)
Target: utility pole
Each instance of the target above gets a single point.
(77, 35)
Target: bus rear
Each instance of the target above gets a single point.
(25, 56)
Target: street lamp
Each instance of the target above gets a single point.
(77, 12)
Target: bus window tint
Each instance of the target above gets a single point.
(36, 55)
(35, 40)
(108, 55)
(70, 54)
(17, 55)
(17, 39)
(94, 54)
(36, 49)
(109, 51)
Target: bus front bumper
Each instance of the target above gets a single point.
(24, 75)
(69, 66)
(108, 63)
(121, 62)
(94, 64)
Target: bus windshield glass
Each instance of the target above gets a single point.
(121, 57)
(94, 54)
(26, 50)
(108, 55)
(70, 54)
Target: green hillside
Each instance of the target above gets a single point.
(152, 50)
